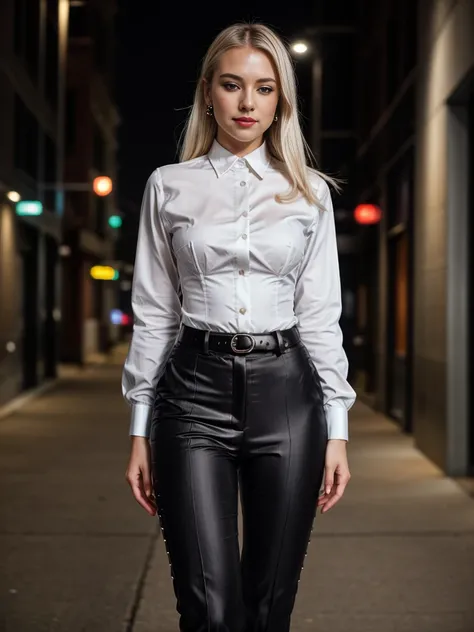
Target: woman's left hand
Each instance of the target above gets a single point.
(336, 474)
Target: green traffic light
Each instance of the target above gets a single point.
(115, 221)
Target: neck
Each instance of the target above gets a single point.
(236, 147)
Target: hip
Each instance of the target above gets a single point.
(204, 383)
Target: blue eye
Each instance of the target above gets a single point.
(267, 88)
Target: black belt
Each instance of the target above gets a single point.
(240, 343)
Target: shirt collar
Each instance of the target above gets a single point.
(223, 160)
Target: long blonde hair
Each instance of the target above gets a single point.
(284, 138)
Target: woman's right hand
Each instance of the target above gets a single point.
(138, 474)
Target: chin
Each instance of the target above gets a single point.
(245, 135)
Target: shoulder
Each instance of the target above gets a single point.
(320, 186)
(177, 169)
(172, 169)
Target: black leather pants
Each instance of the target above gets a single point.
(223, 422)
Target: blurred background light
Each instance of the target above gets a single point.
(102, 185)
(32, 207)
(300, 48)
(367, 214)
(104, 273)
(13, 196)
(115, 221)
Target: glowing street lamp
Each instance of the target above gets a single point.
(300, 48)
(13, 196)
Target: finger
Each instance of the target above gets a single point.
(147, 485)
(322, 500)
(335, 497)
(146, 496)
(138, 491)
(144, 501)
(328, 479)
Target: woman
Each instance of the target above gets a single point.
(243, 385)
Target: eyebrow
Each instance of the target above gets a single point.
(232, 76)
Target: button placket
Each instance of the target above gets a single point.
(242, 298)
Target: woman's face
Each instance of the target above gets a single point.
(244, 86)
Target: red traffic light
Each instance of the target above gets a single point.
(367, 214)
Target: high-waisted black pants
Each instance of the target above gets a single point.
(223, 421)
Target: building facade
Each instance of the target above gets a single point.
(415, 160)
(90, 149)
(57, 132)
(32, 66)
(325, 79)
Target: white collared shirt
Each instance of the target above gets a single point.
(244, 263)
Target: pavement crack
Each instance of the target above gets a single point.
(130, 620)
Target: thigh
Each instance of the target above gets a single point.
(195, 483)
(280, 481)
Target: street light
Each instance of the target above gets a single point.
(313, 53)
(13, 196)
(300, 48)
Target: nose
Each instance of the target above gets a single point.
(247, 101)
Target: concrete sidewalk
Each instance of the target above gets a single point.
(78, 554)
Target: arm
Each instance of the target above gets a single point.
(156, 308)
(318, 308)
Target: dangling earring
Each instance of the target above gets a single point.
(210, 110)
(276, 118)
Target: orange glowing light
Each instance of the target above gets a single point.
(102, 185)
(367, 214)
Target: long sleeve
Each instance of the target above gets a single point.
(318, 309)
(156, 308)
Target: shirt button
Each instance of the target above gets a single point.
(242, 310)
(244, 236)
(243, 183)
(245, 213)
(242, 272)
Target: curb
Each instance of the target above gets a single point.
(18, 402)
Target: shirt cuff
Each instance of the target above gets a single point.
(337, 421)
(140, 422)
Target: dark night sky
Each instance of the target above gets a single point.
(159, 50)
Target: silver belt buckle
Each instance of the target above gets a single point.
(233, 342)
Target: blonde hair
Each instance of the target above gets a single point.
(284, 138)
